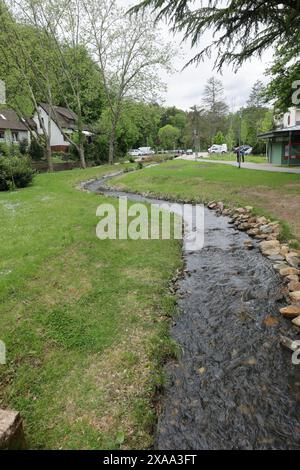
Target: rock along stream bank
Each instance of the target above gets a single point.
(234, 386)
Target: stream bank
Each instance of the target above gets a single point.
(234, 387)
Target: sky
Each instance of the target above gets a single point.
(185, 88)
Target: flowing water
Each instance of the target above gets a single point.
(234, 386)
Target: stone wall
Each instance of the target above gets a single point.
(11, 431)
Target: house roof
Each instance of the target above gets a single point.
(278, 132)
(64, 117)
(10, 120)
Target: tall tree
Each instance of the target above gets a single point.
(240, 28)
(256, 98)
(30, 67)
(61, 22)
(215, 105)
(253, 115)
(198, 128)
(168, 137)
(129, 52)
(213, 97)
(284, 77)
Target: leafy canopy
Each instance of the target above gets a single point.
(240, 28)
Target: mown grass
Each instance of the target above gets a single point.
(84, 321)
(276, 195)
(231, 157)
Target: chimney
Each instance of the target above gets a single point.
(2, 92)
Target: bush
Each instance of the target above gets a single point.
(4, 149)
(36, 151)
(15, 172)
(23, 147)
(128, 170)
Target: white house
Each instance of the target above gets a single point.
(62, 119)
(12, 127)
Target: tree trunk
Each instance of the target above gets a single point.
(81, 155)
(112, 145)
(49, 156)
(49, 150)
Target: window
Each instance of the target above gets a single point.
(295, 149)
(15, 136)
(2, 135)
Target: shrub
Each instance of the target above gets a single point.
(36, 151)
(128, 170)
(15, 172)
(23, 147)
(4, 149)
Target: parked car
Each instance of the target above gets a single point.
(247, 149)
(215, 148)
(135, 153)
(189, 152)
(146, 151)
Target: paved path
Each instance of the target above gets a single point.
(248, 165)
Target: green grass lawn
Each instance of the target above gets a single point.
(84, 321)
(231, 157)
(276, 195)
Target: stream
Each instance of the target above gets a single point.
(233, 386)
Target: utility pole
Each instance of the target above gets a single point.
(239, 150)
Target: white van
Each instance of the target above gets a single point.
(146, 151)
(215, 148)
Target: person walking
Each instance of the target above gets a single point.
(242, 154)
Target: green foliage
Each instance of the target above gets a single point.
(83, 71)
(96, 151)
(256, 98)
(168, 137)
(230, 138)
(267, 122)
(284, 71)
(15, 172)
(219, 138)
(23, 147)
(5, 149)
(35, 150)
(239, 22)
(244, 131)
